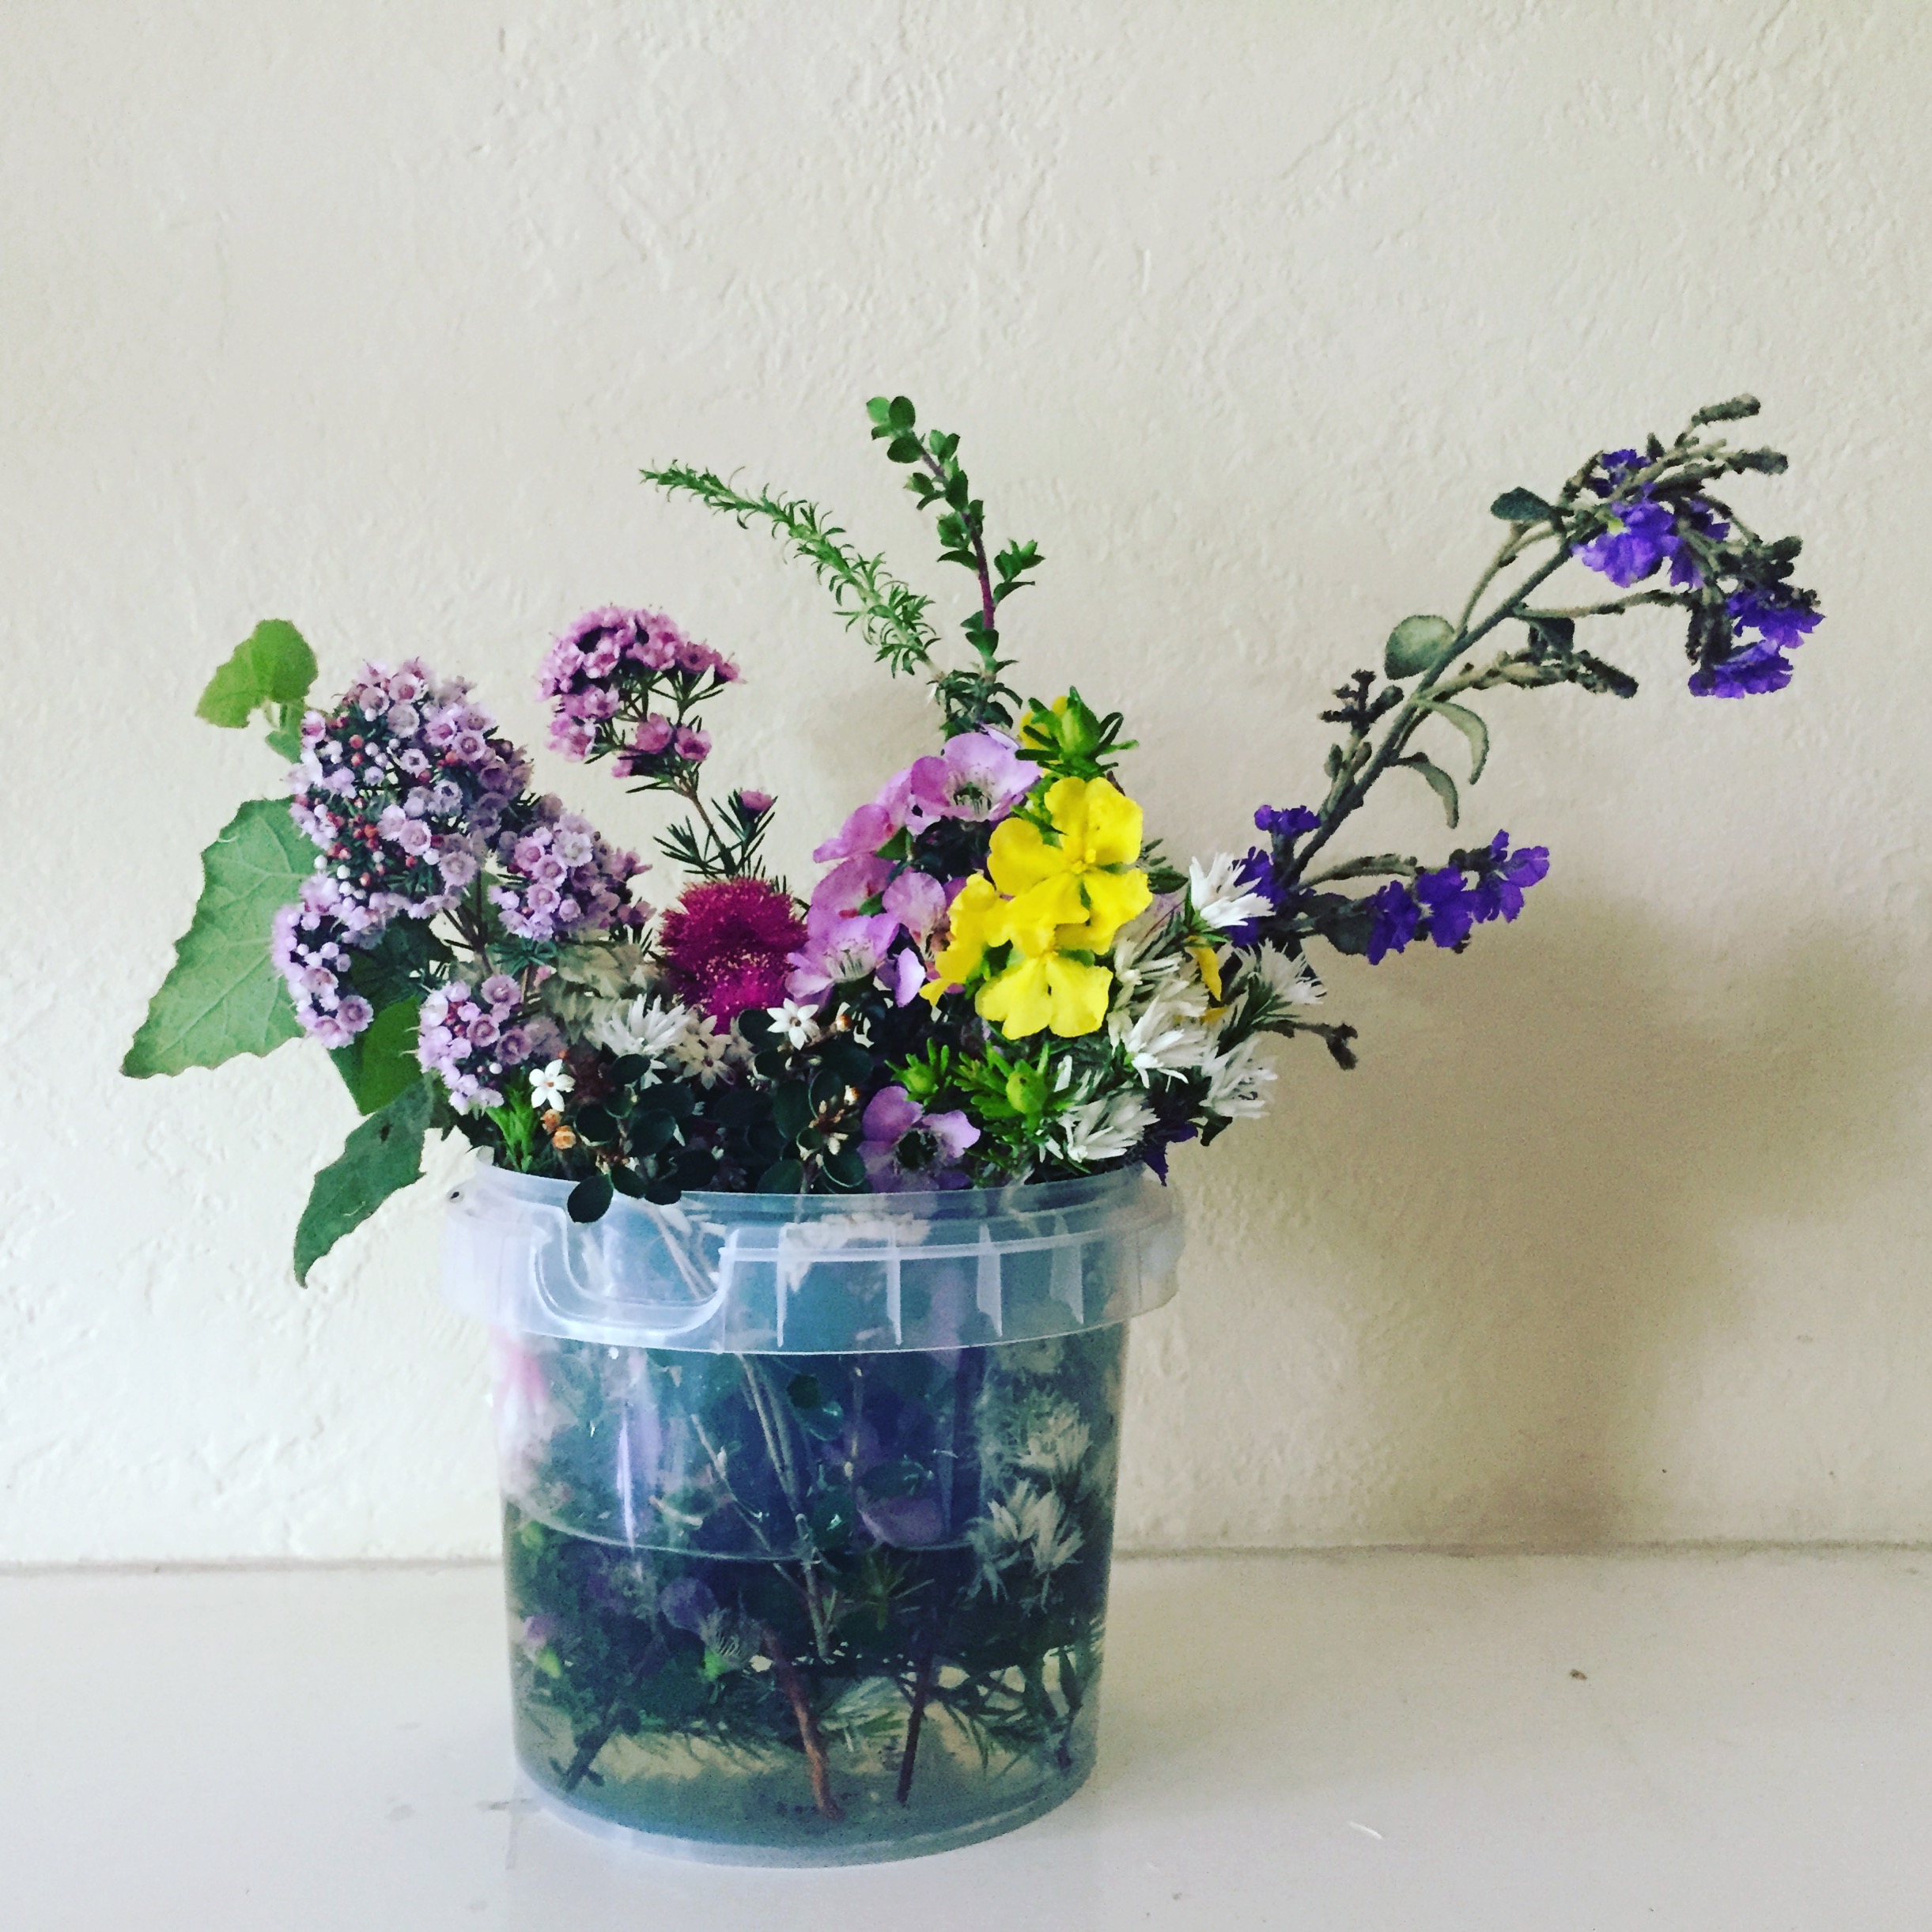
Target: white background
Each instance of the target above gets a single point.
(367, 315)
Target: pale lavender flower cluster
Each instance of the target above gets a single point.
(401, 787)
(469, 1039)
(309, 943)
(564, 880)
(601, 676)
(874, 917)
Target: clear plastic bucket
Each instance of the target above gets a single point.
(808, 1501)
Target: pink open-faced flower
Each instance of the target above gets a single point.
(859, 836)
(906, 1147)
(850, 883)
(918, 902)
(978, 777)
(839, 949)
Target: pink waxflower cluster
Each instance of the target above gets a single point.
(563, 880)
(602, 675)
(470, 1039)
(978, 779)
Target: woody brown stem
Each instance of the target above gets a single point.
(922, 1689)
(793, 1686)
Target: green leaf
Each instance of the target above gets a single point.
(221, 996)
(285, 739)
(1519, 506)
(380, 1158)
(1438, 780)
(1471, 726)
(588, 1199)
(272, 666)
(903, 449)
(900, 413)
(381, 1061)
(1417, 643)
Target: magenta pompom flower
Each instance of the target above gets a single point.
(727, 945)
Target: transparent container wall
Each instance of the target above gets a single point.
(749, 1273)
(808, 1608)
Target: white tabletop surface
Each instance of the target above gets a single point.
(1556, 1744)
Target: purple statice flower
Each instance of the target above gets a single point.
(1696, 516)
(1162, 1136)
(907, 1147)
(1748, 673)
(1285, 821)
(1782, 619)
(1644, 532)
(1505, 877)
(754, 805)
(1446, 905)
(1643, 535)
(1397, 917)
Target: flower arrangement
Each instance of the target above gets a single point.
(997, 977)
(834, 1571)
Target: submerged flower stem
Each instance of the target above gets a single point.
(764, 1406)
(922, 1690)
(792, 1685)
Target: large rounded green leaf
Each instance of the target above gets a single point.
(222, 996)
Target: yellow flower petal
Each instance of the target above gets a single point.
(1110, 824)
(1112, 899)
(1080, 996)
(1020, 857)
(1204, 958)
(1020, 1001)
(967, 938)
(1030, 921)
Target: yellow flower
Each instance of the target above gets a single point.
(1087, 881)
(1056, 905)
(967, 939)
(1046, 991)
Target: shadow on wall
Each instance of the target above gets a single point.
(1451, 1295)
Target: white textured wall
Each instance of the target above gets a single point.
(367, 315)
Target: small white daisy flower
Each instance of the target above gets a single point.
(548, 1085)
(797, 1024)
